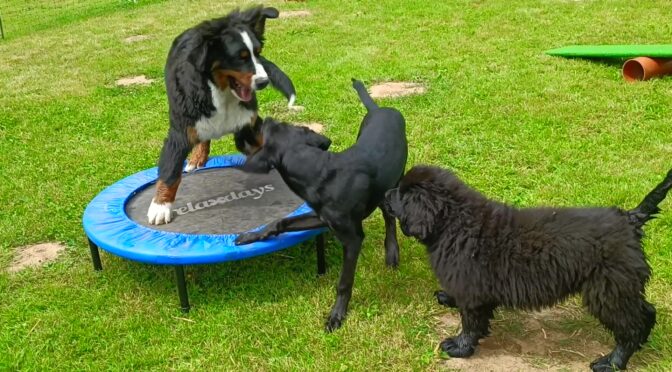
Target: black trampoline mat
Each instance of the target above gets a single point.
(220, 201)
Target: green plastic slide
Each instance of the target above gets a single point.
(613, 51)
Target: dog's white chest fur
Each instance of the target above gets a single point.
(228, 116)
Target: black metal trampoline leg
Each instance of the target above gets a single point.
(182, 289)
(321, 262)
(95, 256)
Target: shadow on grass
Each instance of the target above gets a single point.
(271, 277)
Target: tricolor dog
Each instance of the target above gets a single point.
(212, 73)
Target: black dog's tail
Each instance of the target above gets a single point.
(648, 208)
(364, 95)
(279, 80)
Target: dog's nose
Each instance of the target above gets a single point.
(260, 83)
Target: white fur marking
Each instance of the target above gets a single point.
(259, 71)
(159, 213)
(190, 167)
(291, 101)
(228, 117)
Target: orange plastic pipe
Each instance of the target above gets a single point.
(644, 68)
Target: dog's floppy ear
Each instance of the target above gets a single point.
(318, 140)
(419, 215)
(262, 160)
(256, 19)
(259, 162)
(198, 55)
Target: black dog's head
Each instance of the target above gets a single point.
(277, 139)
(420, 202)
(228, 49)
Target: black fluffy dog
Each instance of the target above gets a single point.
(342, 188)
(487, 254)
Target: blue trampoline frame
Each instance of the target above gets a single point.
(108, 227)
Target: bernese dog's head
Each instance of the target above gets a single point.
(228, 50)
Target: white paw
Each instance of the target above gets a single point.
(159, 213)
(190, 167)
(292, 106)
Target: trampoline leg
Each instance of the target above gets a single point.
(182, 289)
(321, 262)
(95, 256)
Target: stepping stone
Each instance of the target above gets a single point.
(295, 13)
(35, 255)
(135, 39)
(396, 89)
(135, 80)
(314, 126)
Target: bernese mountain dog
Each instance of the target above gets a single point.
(212, 73)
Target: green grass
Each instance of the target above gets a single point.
(24, 17)
(520, 126)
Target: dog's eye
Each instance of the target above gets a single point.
(244, 54)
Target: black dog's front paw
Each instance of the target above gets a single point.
(604, 364)
(334, 322)
(248, 238)
(392, 259)
(453, 347)
(444, 299)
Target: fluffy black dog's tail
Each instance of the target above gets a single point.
(648, 208)
(364, 95)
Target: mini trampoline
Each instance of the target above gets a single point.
(214, 205)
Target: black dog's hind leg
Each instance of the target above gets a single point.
(391, 245)
(631, 328)
(445, 299)
(308, 221)
(475, 325)
(351, 238)
(624, 311)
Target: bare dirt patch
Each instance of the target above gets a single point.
(550, 340)
(35, 255)
(315, 127)
(135, 39)
(295, 13)
(396, 89)
(135, 80)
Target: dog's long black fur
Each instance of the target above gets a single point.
(205, 64)
(342, 188)
(487, 254)
(188, 71)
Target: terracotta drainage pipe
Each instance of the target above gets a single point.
(644, 68)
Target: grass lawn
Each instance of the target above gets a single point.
(520, 126)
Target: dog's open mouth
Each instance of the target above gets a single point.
(241, 92)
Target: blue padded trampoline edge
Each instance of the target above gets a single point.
(105, 222)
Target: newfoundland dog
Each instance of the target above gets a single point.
(487, 254)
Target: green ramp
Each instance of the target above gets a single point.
(613, 51)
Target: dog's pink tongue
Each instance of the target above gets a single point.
(245, 94)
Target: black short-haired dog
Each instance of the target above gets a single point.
(212, 73)
(342, 188)
(487, 254)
